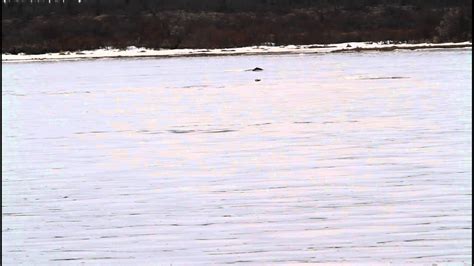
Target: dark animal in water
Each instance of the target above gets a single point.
(257, 69)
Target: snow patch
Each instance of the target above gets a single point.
(133, 51)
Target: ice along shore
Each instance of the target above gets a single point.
(132, 52)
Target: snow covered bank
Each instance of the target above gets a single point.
(253, 50)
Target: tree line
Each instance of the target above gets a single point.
(37, 26)
(19, 7)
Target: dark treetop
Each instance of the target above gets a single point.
(38, 26)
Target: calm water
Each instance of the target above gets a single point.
(355, 158)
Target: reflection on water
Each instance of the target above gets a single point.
(339, 158)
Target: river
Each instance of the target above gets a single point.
(356, 158)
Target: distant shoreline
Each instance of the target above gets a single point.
(134, 52)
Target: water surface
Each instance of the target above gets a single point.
(351, 157)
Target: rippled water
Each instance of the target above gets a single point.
(337, 158)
